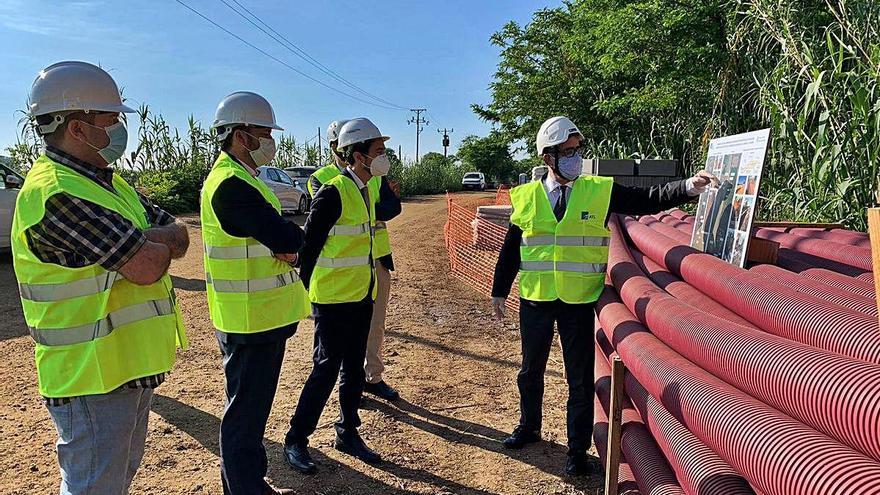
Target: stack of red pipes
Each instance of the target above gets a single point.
(741, 381)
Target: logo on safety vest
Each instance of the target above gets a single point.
(585, 215)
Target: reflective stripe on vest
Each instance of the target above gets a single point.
(562, 266)
(103, 327)
(343, 262)
(249, 251)
(344, 270)
(381, 241)
(563, 258)
(249, 290)
(350, 229)
(69, 290)
(549, 240)
(93, 330)
(253, 285)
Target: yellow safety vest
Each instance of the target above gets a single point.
(382, 243)
(94, 330)
(249, 290)
(345, 266)
(323, 174)
(563, 259)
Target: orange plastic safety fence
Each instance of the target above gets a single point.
(502, 196)
(473, 245)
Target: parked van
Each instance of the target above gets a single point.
(474, 180)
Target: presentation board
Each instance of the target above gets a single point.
(725, 213)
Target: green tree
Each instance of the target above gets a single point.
(642, 74)
(490, 155)
(659, 78)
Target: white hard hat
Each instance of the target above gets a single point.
(334, 128)
(243, 108)
(556, 131)
(73, 86)
(358, 131)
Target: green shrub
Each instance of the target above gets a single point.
(434, 174)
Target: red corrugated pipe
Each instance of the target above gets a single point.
(851, 284)
(682, 290)
(698, 469)
(777, 454)
(768, 305)
(816, 288)
(626, 480)
(842, 253)
(850, 237)
(648, 465)
(667, 230)
(831, 393)
(680, 214)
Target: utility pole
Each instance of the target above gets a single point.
(400, 156)
(418, 121)
(320, 158)
(445, 133)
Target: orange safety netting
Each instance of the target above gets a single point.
(502, 196)
(473, 245)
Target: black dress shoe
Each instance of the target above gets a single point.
(353, 445)
(521, 437)
(297, 456)
(382, 390)
(578, 464)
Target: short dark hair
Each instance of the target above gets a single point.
(362, 148)
(227, 141)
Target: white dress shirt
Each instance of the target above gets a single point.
(361, 186)
(554, 188)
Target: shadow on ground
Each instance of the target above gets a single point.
(332, 476)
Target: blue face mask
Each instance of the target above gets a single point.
(114, 150)
(570, 167)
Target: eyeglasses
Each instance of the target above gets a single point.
(570, 152)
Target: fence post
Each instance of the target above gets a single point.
(615, 415)
(874, 230)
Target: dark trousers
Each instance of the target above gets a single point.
(341, 332)
(575, 325)
(252, 372)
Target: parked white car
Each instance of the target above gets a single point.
(474, 180)
(301, 174)
(291, 193)
(9, 188)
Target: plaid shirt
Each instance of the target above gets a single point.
(75, 233)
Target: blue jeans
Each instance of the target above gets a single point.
(101, 440)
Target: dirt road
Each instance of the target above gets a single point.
(453, 364)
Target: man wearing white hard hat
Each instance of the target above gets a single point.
(255, 297)
(558, 244)
(337, 264)
(323, 174)
(387, 207)
(91, 257)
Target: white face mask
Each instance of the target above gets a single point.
(380, 166)
(265, 153)
(570, 167)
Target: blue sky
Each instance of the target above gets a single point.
(435, 55)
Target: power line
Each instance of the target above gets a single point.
(301, 53)
(276, 59)
(418, 121)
